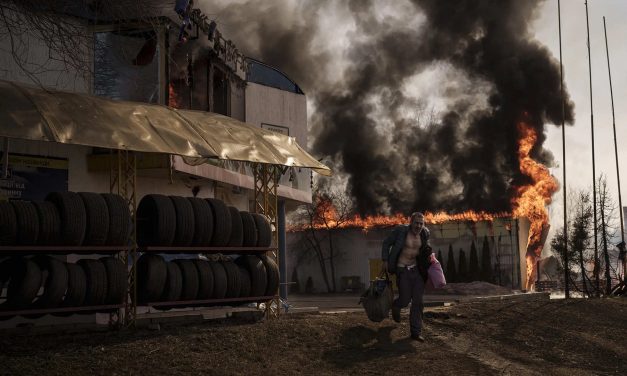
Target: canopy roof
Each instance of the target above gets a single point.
(71, 118)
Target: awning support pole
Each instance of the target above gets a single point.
(282, 253)
(266, 183)
(5, 157)
(123, 181)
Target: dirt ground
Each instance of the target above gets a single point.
(517, 337)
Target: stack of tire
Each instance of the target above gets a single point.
(171, 221)
(196, 279)
(44, 282)
(66, 218)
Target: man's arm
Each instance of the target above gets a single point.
(427, 235)
(387, 243)
(385, 249)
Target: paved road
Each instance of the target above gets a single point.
(334, 302)
(349, 301)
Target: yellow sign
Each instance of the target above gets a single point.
(31, 161)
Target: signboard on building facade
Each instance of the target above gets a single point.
(32, 177)
(276, 128)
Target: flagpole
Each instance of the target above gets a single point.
(620, 202)
(594, 186)
(566, 266)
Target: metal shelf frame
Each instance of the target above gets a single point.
(215, 250)
(95, 309)
(123, 181)
(266, 179)
(251, 299)
(24, 250)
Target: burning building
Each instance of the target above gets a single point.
(356, 256)
(516, 238)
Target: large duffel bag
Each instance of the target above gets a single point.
(377, 300)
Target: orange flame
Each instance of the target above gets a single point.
(531, 199)
(326, 216)
(173, 100)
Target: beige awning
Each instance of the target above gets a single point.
(70, 118)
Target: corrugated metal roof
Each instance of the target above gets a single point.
(71, 118)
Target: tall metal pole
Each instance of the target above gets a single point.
(282, 250)
(518, 254)
(5, 157)
(511, 244)
(620, 201)
(566, 266)
(594, 185)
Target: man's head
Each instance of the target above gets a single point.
(417, 222)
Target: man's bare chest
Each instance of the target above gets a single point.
(413, 241)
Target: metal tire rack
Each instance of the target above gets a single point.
(65, 250)
(221, 250)
(123, 181)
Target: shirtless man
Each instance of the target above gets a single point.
(406, 253)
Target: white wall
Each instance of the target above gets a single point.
(269, 105)
(82, 180)
(356, 248)
(266, 104)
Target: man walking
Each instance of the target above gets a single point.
(406, 253)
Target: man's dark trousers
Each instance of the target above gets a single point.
(411, 287)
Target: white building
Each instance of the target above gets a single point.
(358, 252)
(145, 62)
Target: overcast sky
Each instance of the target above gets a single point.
(575, 60)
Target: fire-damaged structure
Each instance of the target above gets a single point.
(499, 244)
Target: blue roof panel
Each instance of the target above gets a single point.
(264, 74)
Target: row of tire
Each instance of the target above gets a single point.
(66, 218)
(191, 221)
(43, 282)
(197, 279)
(93, 219)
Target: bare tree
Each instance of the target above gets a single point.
(580, 239)
(318, 223)
(580, 255)
(558, 246)
(608, 228)
(61, 27)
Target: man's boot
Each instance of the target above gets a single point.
(396, 313)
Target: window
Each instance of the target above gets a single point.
(220, 92)
(126, 65)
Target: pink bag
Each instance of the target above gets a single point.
(436, 274)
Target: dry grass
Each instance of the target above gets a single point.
(497, 337)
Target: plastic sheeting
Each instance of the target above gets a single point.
(71, 118)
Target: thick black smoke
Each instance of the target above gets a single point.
(464, 158)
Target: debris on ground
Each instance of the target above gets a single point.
(515, 337)
(477, 288)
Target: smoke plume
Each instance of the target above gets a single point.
(374, 120)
